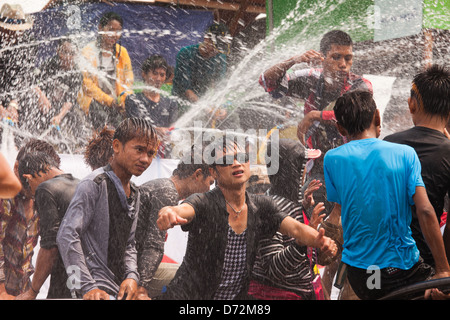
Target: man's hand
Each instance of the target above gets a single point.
(325, 244)
(128, 290)
(316, 216)
(168, 218)
(142, 294)
(6, 296)
(308, 199)
(27, 295)
(306, 123)
(96, 294)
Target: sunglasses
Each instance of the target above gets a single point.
(228, 160)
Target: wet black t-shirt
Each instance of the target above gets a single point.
(433, 149)
(52, 199)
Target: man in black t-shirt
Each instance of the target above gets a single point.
(429, 105)
(53, 190)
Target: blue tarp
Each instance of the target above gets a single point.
(147, 29)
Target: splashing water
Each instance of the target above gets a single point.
(248, 106)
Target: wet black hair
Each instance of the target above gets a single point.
(433, 86)
(226, 141)
(36, 145)
(34, 163)
(109, 16)
(354, 111)
(131, 128)
(187, 165)
(155, 62)
(336, 37)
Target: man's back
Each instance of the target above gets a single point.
(52, 200)
(433, 149)
(374, 182)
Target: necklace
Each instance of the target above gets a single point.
(235, 211)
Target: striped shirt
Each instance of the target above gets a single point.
(281, 262)
(18, 238)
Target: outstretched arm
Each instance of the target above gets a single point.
(277, 71)
(307, 236)
(168, 217)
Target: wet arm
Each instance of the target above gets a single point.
(169, 217)
(276, 72)
(305, 235)
(44, 266)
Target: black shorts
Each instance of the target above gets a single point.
(367, 285)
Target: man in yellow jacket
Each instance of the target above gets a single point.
(108, 74)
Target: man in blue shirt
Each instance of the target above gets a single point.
(199, 66)
(374, 183)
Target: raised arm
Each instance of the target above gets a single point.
(274, 73)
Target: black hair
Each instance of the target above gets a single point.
(354, 111)
(433, 86)
(34, 163)
(110, 16)
(336, 37)
(36, 145)
(225, 141)
(131, 128)
(155, 62)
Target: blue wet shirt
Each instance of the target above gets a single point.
(374, 181)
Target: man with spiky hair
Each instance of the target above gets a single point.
(19, 230)
(429, 105)
(97, 236)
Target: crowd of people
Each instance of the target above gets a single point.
(342, 198)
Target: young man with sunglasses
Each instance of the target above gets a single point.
(225, 226)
